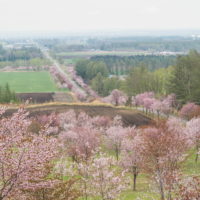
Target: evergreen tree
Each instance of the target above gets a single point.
(185, 79)
(6, 95)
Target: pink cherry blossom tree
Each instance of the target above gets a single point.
(104, 179)
(171, 100)
(132, 159)
(193, 132)
(69, 120)
(114, 139)
(134, 102)
(164, 149)
(139, 99)
(80, 82)
(80, 143)
(101, 123)
(188, 188)
(25, 158)
(166, 107)
(157, 106)
(189, 111)
(147, 103)
(116, 98)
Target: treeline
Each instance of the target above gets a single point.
(22, 57)
(58, 45)
(182, 79)
(185, 79)
(140, 79)
(96, 74)
(68, 47)
(121, 65)
(35, 62)
(89, 69)
(6, 95)
(19, 54)
(104, 85)
(150, 44)
(175, 44)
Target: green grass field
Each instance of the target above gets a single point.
(28, 81)
(145, 186)
(146, 189)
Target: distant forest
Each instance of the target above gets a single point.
(22, 57)
(121, 65)
(152, 44)
(175, 44)
(19, 54)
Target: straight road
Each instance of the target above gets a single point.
(45, 52)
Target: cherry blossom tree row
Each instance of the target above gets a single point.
(64, 82)
(165, 105)
(152, 104)
(80, 82)
(116, 97)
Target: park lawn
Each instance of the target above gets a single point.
(145, 186)
(28, 81)
(144, 190)
(190, 167)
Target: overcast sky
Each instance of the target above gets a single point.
(76, 15)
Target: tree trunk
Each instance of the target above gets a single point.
(43, 194)
(169, 196)
(117, 153)
(160, 184)
(197, 156)
(158, 114)
(135, 173)
(162, 195)
(116, 103)
(85, 188)
(197, 153)
(134, 181)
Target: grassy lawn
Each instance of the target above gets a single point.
(28, 81)
(145, 186)
(144, 190)
(190, 167)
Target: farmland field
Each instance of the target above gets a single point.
(95, 53)
(71, 61)
(28, 81)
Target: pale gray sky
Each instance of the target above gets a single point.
(75, 15)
